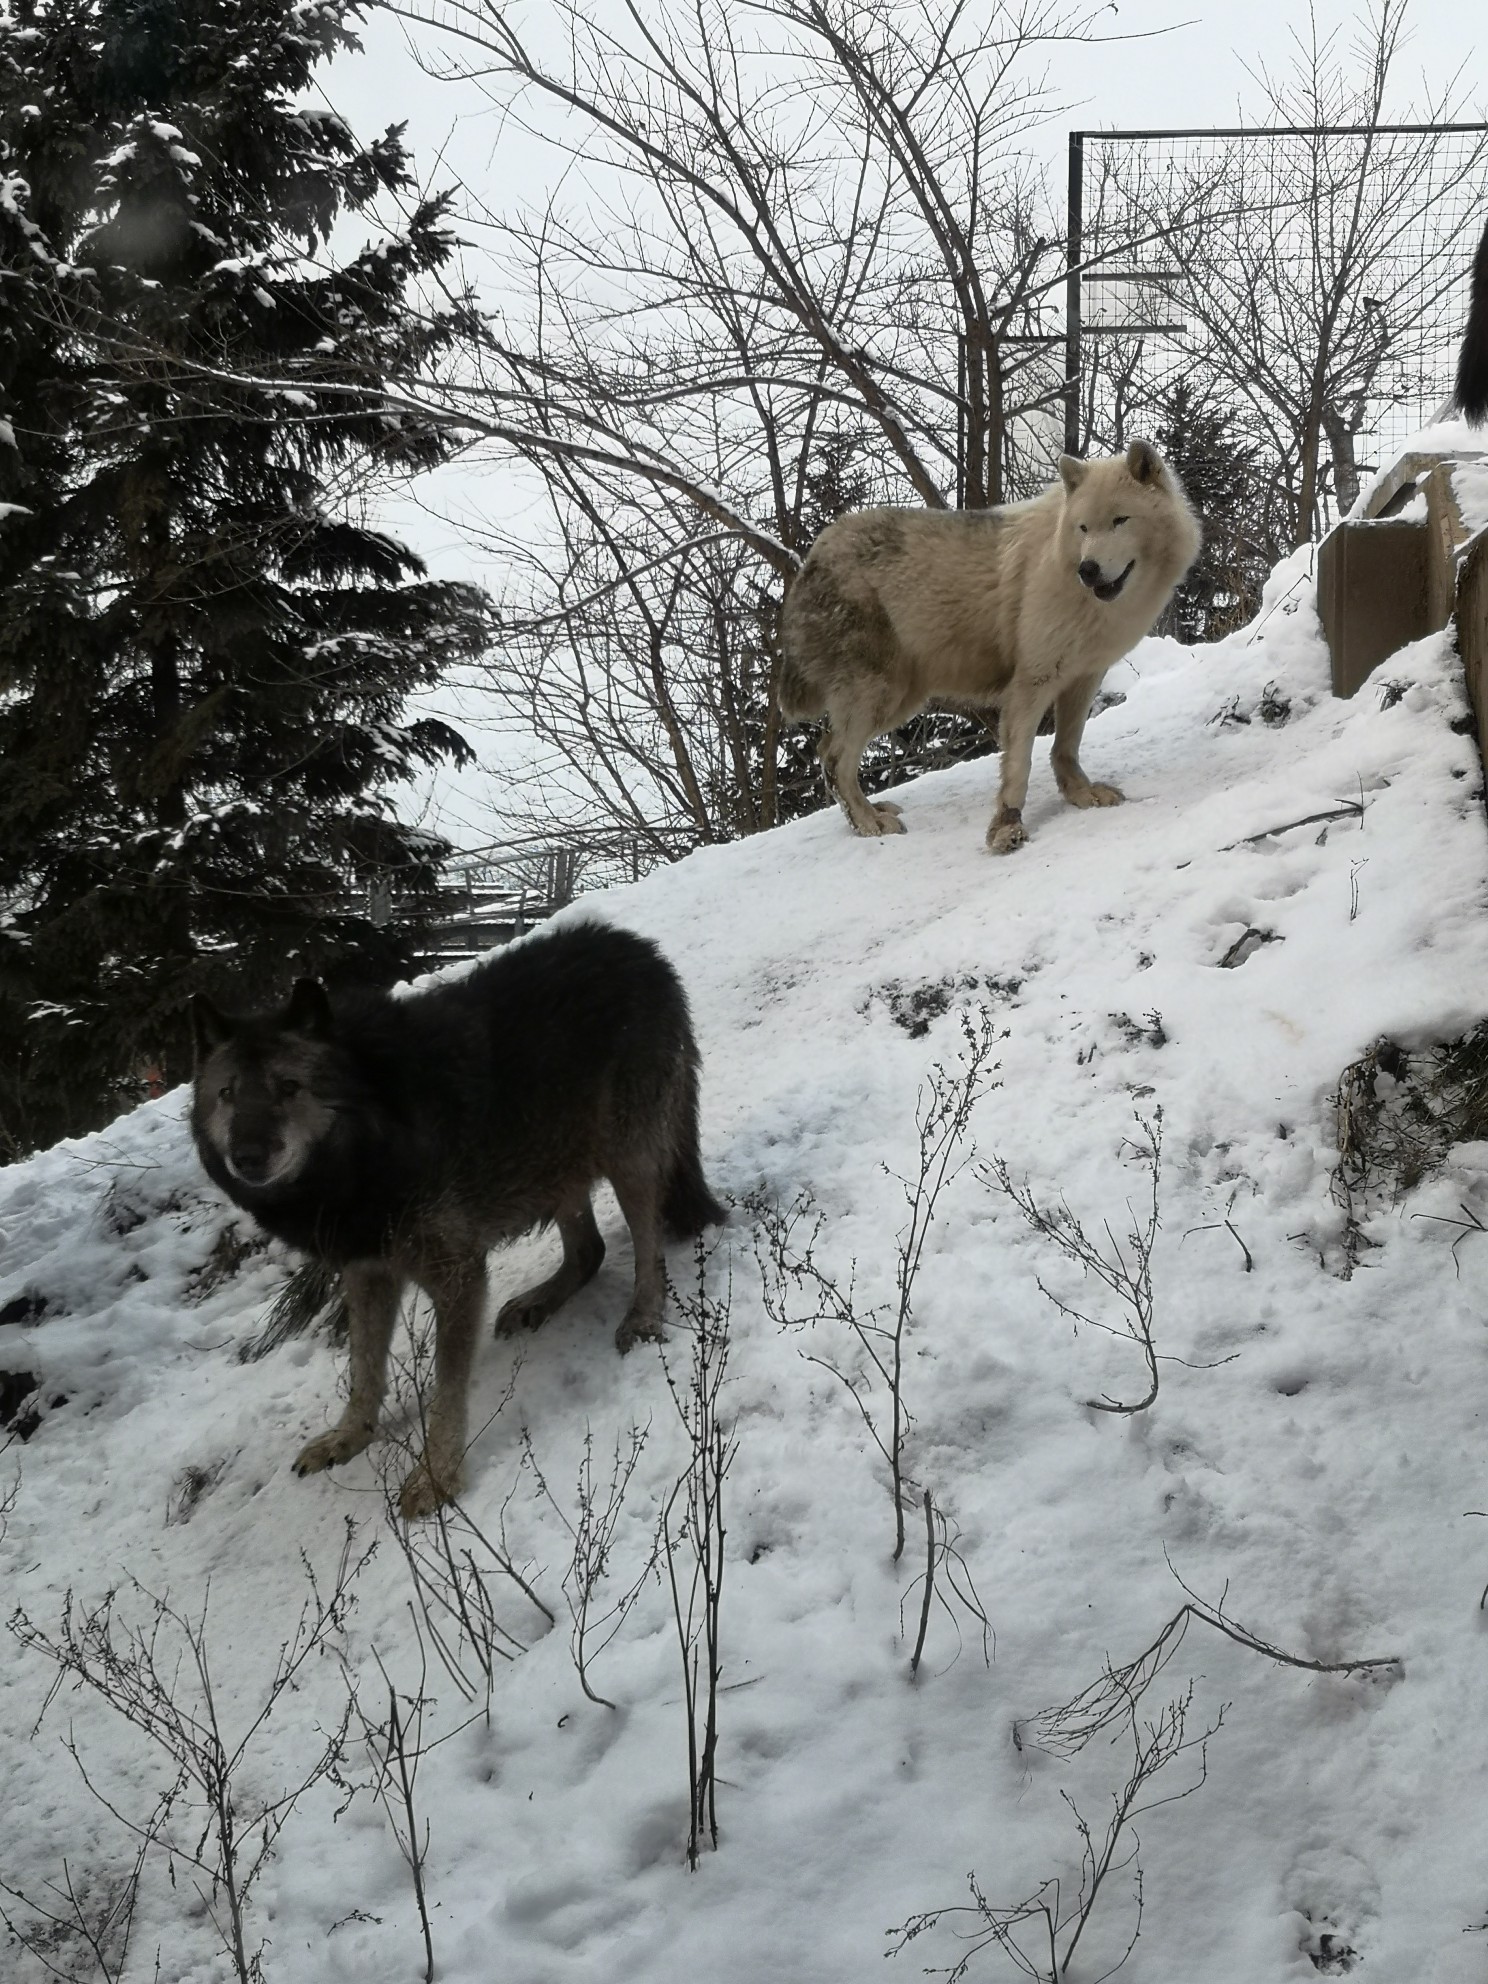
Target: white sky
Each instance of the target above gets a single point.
(1194, 73)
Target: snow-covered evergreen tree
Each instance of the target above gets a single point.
(1228, 488)
(205, 649)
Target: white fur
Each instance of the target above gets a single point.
(895, 608)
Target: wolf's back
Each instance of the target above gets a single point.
(592, 1010)
(588, 987)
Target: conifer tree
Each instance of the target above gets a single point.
(1222, 589)
(205, 646)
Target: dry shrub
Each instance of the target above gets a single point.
(1394, 1132)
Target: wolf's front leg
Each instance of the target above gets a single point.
(1070, 711)
(1018, 722)
(372, 1292)
(458, 1289)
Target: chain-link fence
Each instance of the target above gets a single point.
(1292, 297)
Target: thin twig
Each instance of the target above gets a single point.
(914, 1658)
(1348, 809)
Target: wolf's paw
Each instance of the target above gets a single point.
(883, 818)
(638, 1329)
(341, 1443)
(528, 1311)
(1003, 839)
(424, 1491)
(1095, 795)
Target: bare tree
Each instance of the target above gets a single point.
(10, 1494)
(1296, 258)
(452, 1561)
(785, 227)
(89, 1916)
(648, 691)
(1065, 1730)
(395, 1747)
(943, 1555)
(1039, 1935)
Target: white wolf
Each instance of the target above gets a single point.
(1026, 606)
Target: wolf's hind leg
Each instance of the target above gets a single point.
(840, 748)
(583, 1250)
(1070, 712)
(638, 1188)
(373, 1292)
(458, 1288)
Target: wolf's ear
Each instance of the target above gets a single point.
(309, 1010)
(1144, 463)
(209, 1026)
(1072, 472)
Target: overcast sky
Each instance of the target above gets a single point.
(1184, 65)
(1194, 73)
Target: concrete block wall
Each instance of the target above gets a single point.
(1386, 579)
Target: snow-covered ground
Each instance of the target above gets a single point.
(1312, 1458)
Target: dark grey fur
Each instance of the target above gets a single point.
(400, 1139)
(1472, 362)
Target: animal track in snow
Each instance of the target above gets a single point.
(1330, 1952)
(1337, 1896)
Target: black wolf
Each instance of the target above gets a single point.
(399, 1139)
(1472, 363)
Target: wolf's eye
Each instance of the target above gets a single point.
(1119, 520)
(289, 1089)
(1084, 530)
(225, 1094)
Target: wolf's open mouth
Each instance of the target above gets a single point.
(1113, 586)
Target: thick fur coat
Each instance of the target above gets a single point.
(399, 1139)
(1025, 607)
(1472, 361)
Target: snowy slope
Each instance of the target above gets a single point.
(1312, 1454)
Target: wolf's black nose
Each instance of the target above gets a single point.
(1090, 572)
(253, 1161)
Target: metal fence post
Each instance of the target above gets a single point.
(1074, 252)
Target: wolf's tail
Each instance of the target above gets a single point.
(800, 698)
(1472, 365)
(688, 1205)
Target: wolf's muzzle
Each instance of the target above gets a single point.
(1103, 588)
(254, 1162)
